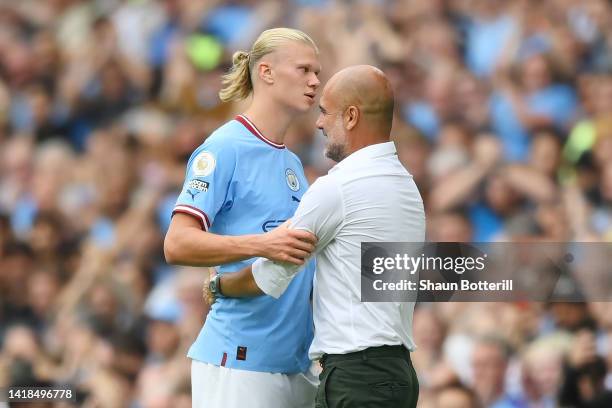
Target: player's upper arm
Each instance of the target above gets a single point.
(179, 223)
(207, 189)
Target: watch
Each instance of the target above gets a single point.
(215, 285)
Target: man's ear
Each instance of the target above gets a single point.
(264, 70)
(351, 117)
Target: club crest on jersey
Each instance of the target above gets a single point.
(203, 164)
(292, 181)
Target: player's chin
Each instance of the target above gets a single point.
(303, 107)
(310, 100)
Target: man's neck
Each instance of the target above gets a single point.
(365, 140)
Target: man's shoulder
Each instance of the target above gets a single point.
(324, 181)
(326, 186)
(370, 169)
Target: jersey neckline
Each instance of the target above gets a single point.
(253, 129)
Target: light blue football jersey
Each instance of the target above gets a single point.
(238, 182)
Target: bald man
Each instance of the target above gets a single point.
(364, 348)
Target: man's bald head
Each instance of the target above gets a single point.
(356, 110)
(367, 88)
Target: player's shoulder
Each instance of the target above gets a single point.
(227, 134)
(293, 156)
(224, 141)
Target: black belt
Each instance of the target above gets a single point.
(369, 353)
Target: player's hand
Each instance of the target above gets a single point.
(208, 296)
(287, 245)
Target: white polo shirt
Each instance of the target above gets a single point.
(367, 197)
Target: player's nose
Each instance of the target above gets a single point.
(314, 82)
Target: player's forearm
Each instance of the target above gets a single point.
(239, 284)
(197, 248)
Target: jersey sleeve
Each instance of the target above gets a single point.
(208, 179)
(320, 212)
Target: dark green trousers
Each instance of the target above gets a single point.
(378, 377)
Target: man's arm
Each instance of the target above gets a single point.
(321, 212)
(187, 244)
(263, 277)
(240, 284)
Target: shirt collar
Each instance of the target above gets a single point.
(246, 122)
(368, 152)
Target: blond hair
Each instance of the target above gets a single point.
(237, 83)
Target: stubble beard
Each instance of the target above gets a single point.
(335, 151)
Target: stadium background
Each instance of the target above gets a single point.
(504, 117)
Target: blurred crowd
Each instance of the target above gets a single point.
(503, 116)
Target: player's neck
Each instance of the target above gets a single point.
(272, 123)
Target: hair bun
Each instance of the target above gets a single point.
(240, 56)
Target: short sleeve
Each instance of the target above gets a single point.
(209, 174)
(321, 212)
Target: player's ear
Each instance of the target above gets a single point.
(264, 70)
(351, 117)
